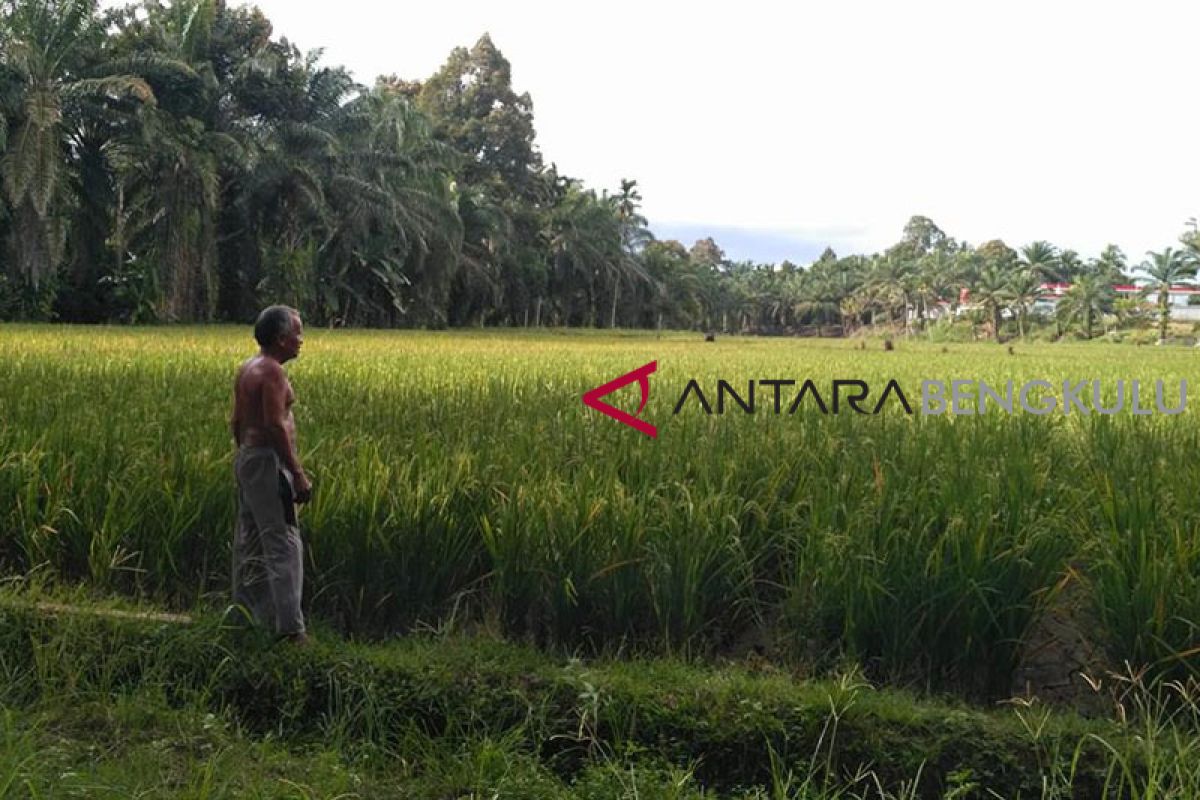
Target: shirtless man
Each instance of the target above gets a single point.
(268, 557)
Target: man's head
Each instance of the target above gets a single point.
(279, 332)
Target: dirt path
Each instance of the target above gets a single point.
(88, 611)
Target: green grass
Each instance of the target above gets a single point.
(102, 707)
(459, 477)
(138, 746)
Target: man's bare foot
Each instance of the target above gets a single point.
(299, 639)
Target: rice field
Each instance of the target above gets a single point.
(460, 478)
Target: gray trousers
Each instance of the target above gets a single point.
(268, 557)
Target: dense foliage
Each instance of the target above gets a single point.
(173, 161)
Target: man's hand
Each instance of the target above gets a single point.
(303, 487)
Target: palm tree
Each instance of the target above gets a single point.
(54, 59)
(991, 289)
(817, 298)
(395, 231)
(934, 282)
(166, 164)
(1089, 297)
(1026, 289)
(739, 298)
(167, 194)
(634, 237)
(852, 307)
(1129, 307)
(887, 284)
(1111, 263)
(584, 237)
(1167, 269)
(1042, 260)
(479, 280)
(675, 289)
(1069, 265)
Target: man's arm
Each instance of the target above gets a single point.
(235, 424)
(275, 419)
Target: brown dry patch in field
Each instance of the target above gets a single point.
(1059, 654)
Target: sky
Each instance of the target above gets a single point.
(781, 128)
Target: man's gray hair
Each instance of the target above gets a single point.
(273, 322)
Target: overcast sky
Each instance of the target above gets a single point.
(783, 127)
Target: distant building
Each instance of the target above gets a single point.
(1178, 299)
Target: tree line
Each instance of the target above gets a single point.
(177, 162)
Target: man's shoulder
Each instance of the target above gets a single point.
(258, 369)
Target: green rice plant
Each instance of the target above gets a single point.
(1143, 556)
(459, 474)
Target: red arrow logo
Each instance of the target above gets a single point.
(642, 376)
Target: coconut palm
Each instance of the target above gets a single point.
(1167, 269)
(1089, 298)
